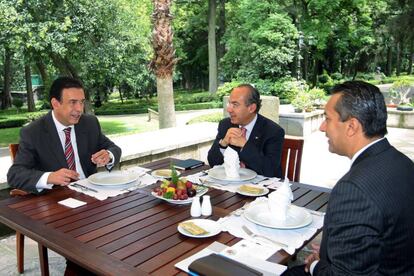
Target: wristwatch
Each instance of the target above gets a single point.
(221, 146)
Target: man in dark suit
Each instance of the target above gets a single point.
(257, 139)
(41, 160)
(369, 222)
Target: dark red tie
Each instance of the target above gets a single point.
(70, 156)
(244, 130)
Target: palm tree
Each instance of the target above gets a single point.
(164, 61)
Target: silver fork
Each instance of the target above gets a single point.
(240, 211)
(253, 235)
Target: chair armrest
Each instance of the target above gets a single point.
(18, 192)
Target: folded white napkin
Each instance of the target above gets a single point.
(280, 200)
(231, 163)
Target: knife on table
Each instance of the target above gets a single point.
(83, 188)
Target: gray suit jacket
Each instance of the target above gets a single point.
(369, 222)
(40, 150)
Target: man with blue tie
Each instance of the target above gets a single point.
(369, 221)
(62, 146)
(257, 139)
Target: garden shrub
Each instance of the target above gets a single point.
(265, 87)
(35, 115)
(18, 103)
(6, 122)
(336, 76)
(213, 118)
(288, 88)
(226, 88)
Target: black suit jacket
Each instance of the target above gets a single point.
(369, 222)
(262, 151)
(40, 150)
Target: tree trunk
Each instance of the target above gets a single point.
(315, 71)
(305, 64)
(60, 64)
(411, 57)
(212, 54)
(163, 61)
(6, 97)
(29, 88)
(45, 79)
(43, 72)
(398, 59)
(166, 110)
(72, 70)
(388, 69)
(222, 29)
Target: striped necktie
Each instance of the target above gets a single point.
(69, 154)
(244, 130)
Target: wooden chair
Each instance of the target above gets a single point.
(43, 259)
(292, 155)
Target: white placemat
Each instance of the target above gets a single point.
(231, 186)
(294, 238)
(246, 257)
(103, 192)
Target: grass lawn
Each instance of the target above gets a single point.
(110, 127)
(9, 136)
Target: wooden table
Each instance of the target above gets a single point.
(133, 233)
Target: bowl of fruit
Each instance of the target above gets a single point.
(178, 191)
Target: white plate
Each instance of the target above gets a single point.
(219, 173)
(264, 192)
(211, 226)
(200, 191)
(260, 214)
(113, 178)
(163, 173)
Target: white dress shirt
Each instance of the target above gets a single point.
(42, 183)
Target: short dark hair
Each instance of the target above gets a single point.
(364, 102)
(254, 95)
(61, 83)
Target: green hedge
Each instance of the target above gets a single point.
(120, 111)
(12, 122)
(128, 109)
(197, 106)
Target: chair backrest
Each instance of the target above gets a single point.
(13, 150)
(292, 158)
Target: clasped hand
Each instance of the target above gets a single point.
(65, 176)
(234, 137)
(312, 257)
(101, 158)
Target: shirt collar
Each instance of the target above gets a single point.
(249, 126)
(358, 153)
(59, 125)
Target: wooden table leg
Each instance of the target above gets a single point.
(20, 252)
(43, 260)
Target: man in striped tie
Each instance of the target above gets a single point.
(257, 139)
(62, 146)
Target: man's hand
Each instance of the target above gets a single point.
(100, 158)
(234, 137)
(312, 257)
(62, 177)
